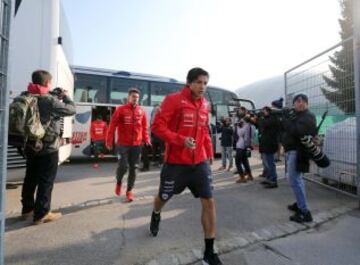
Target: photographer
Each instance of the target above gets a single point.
(227, 133)
(268, 143)
(41, 166)
(243, 135)
(297, 124)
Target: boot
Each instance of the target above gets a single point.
(250, 176)
(241, 179)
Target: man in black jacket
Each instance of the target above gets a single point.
(299, 123)
(268, 144)
(227, 133)
(41, 166)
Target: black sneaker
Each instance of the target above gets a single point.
(301, 217)
(154, 223)
(293, 207)
(211, 259)
(271, 185)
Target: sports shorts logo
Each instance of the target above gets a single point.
(164, 196)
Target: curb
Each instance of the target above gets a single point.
(244, 240)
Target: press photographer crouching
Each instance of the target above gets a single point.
(300, 127)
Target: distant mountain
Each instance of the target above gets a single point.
(263, 92)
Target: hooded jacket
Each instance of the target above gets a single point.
(179, 117)
(131, 126)
(51, 110)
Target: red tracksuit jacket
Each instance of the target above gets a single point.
(98, 130)
(131, 126)
(179, 117)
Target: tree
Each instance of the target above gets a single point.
(340, 84)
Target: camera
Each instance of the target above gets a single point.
(281, 113)
(58, 92)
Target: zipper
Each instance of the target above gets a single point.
(196, 129)
(133, 127)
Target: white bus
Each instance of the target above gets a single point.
(99, 91)
(40, 39)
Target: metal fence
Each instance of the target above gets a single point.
(5, 11)
(328, 81)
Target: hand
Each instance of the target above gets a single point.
(148, 144)
(190, 142)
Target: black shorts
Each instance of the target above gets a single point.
(175, 178)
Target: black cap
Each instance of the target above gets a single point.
(301, 96)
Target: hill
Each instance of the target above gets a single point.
(263, 92)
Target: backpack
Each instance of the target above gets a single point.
(25, 128)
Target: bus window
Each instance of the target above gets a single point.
(229, 97)
(216, 95)
(90, 88)
(119, 88)
(160, 90)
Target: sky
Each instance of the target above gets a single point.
(238, 42)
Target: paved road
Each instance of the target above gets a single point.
(98, 228)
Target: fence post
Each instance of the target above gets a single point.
(356, 16)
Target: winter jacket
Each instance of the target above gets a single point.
(98, 130)
(243, 136)
(131, 126)
(269, 129)
(51, 110)
(179, 117)
(304, 123)
(227, 134)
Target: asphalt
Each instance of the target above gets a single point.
(253, 226)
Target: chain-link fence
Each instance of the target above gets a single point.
(5, 11)
(328, 81)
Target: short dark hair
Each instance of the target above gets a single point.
(41, 77)
(301, 96)
(133, 90)
(194, 73)
(266, 108)
(243, 108)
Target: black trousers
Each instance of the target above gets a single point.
(40, 176)
(145, 152)
(157, 150)
(242, 162)
(128, 157)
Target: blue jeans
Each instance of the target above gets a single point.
(296, 180)
(270, 167)
(226, 153)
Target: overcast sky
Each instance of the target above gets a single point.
(237, 41)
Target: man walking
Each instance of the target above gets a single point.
(182, 122)
(131, 124)
(41, 165)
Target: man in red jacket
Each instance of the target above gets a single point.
(182, 122)
(98, 130)
(131, 124)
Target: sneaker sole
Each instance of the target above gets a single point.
(153, 234)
